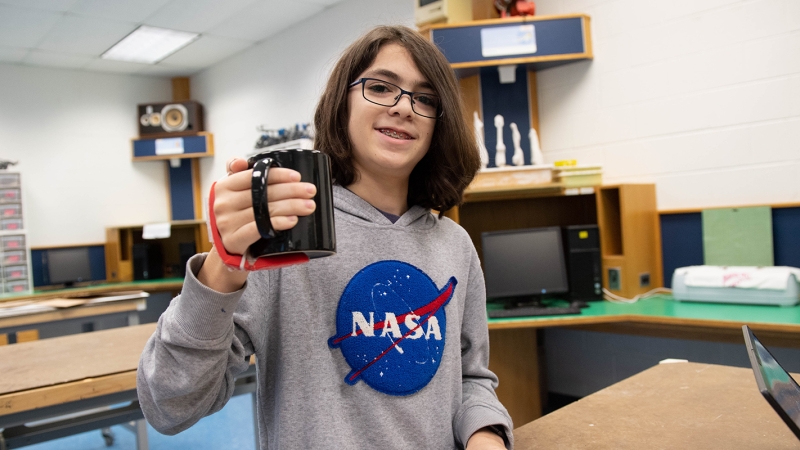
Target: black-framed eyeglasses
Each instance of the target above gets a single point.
(384, 93)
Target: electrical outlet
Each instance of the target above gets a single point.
(644, 280)
(614, 278)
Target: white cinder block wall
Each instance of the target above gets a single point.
(70, 132)
(277, 83)
(701, 97)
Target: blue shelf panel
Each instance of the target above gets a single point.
(558, 36)
(193, 147)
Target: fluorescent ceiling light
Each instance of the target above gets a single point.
(149, 45)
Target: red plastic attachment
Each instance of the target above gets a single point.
(240, 262)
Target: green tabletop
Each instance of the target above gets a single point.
(664, 306)
(164, 284)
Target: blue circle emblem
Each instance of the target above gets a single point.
(391, 327)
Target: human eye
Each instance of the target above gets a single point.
(427, 99)
(378, 87)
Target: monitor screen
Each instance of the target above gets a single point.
(524, 263)
(774, 382)
(68, 265)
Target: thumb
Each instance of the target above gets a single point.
(235, 165)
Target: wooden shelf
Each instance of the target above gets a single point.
(559, 40)
(197, 145)
(626, 217)
(120, 240)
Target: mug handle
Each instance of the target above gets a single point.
(258, 184)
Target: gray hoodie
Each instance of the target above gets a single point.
(383, 345)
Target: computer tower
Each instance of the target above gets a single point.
(584, 272)
(148, 261)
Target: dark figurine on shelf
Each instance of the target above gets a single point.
(508, 8)
(4, 163)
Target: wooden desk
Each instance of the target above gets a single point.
(69, 368)
(672, 406)
(72, 374)
(135, 302)
(514, 354)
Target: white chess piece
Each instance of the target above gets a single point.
(518, 159)
(478, 124)
(537, 158)
(500, 148)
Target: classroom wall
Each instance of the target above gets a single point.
(70, 132)
(277, 83)
(701, 97)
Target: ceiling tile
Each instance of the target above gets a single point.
(12, 54)
(85, 36)
(22, 27)
(50, 59)
(195, 15)
(263, 19)
(47, 5)
(205, 51)
(124, 11)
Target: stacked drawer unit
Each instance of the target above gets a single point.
(15, 271)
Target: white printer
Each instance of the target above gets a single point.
(737, 284)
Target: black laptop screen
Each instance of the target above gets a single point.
(774, 382)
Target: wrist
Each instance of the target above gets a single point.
(216, 275)
(486, 438)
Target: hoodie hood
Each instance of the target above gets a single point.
(347, 202)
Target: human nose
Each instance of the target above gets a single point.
(401, 107)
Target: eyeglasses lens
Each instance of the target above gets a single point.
(388, 94)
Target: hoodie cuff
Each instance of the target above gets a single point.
(479, 417)
(202, 312)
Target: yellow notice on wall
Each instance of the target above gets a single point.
(738, 236)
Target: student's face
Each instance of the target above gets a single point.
(389, 141)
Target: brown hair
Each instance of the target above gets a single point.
(439, 179)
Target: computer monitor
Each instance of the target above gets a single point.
(524, 265)
(68, 266)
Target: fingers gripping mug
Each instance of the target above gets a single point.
(314, 235)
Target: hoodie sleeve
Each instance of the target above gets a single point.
(188, 367)
(479, 407)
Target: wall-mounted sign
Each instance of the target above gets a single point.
(508, 40)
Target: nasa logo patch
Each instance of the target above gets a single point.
(391, 327)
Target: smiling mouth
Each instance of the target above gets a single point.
(395, 134)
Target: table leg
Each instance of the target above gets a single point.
(255, 416)
(514, 359)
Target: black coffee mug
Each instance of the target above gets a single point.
(314, 234)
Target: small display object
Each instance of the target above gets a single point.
(517, 159)
(500, 148)
(537, 157)
(478, 125)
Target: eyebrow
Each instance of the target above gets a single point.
(396, 78)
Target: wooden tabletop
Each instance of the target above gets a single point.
(669, 406)
(51, 371)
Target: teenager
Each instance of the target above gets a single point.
(383, 345)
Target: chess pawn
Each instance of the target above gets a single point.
(537, 158)
(518, 159)
(478, 124)
(500, 148)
